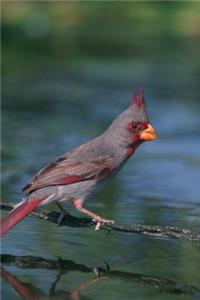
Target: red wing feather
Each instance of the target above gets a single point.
(67, 180)
(70, 170)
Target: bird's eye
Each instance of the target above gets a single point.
(137, 126)
(134, 125)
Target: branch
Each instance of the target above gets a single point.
(64, 266)
(150, 230)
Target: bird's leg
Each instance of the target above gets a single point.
(63, 214)
(99, 220)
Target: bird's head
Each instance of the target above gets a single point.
(132, 126)
(139, 124)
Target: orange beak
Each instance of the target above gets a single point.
(148, 134)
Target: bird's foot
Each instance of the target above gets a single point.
(100, 221)
(63, 214)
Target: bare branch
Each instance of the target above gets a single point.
(149, 230)
(63, 266)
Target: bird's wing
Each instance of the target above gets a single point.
(67, 170)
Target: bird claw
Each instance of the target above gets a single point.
(100, 222)
(98, 226)
(62, 215)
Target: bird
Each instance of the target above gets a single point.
(74, 176)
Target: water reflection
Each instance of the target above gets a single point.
(30, 291)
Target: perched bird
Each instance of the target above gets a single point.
(76, 174)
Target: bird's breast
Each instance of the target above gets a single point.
(131, 149)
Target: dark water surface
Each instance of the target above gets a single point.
(50, 106)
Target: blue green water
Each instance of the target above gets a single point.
(50, 105)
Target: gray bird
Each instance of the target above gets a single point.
(76, 174)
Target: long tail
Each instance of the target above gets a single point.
(18, 213)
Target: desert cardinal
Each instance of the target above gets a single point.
(76, 174)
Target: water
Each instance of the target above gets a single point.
(55, 105)
(158, 186)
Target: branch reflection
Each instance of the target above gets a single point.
(30, 292)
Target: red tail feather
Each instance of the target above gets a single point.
(17, 214)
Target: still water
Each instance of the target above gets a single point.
(46, 116)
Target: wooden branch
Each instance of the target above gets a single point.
(149, 230)
(63, 266)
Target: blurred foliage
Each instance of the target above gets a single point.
(100, 40)
(98, 28)
(58, 50)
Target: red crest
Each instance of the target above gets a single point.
(138, 98)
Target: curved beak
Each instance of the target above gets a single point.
(148, 134)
